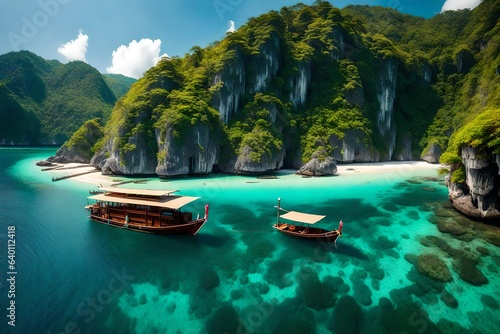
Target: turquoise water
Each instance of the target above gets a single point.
(240, 276)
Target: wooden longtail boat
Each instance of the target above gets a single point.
(304, 231)
(149, 211)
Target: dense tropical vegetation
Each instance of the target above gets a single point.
(307, 81)
(45, 102)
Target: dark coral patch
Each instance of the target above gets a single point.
(347, 316)
(277, 271)
(291, 317)
(434, 267)
(490, 302)
(449, 299)
(224, 320)
(450, 327)
(316, 294)
(383, 242)
(208, 278)
(483, 250)
(467, 271)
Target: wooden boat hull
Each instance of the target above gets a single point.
(312, 233)
(190, 228)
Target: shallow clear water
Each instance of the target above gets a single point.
(238, 275)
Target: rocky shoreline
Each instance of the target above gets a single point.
(479, 196)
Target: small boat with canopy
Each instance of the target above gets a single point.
(143, 210)
(305, 230)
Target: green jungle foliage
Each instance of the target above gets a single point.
(254, 127)
(440, 73)
(473, 118)
(447, 91)
(119, 84)
(45, 102)
(85, 139)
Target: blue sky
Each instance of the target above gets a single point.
(102, 32)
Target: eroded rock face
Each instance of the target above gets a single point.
(232, 78)
(480, 196)
(243, 164)
(353, 148)
(138, 161)
(319, 167)
(195, 153)
(66, 155)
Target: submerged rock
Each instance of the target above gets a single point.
(362, 293)
(483, 250)
(490, 302)
(493, 237)
(434, 267)
(208, 279)
(290, 317)
(224, 320)
(412, 258)
(467, 270)
(450, 327)
(347, 316)
(316, 294)
(449, 299)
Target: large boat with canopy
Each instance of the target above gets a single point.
(143, 210)
(304, 230)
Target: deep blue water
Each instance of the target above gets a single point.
(238, 275)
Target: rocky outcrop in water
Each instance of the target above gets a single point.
(479, 197)
(318, 167)
(67, 155)
(79, 148)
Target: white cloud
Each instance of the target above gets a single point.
(231, 26)
(76, 48)
(460, 4)
(136, 58)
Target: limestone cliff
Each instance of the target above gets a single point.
(354, 147)
(305, 86)
(196, 153)
(479, 196)
(231, 79)
(79, 147)
(386, 96)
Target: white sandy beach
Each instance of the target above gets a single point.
(389, 167)
(385, 167)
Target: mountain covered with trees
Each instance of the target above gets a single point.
(44, 102)
(309, 86)
(463, 54)
(308, 83)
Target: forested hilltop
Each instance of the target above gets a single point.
(44, 102)
(307, 86)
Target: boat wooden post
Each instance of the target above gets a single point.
(278, 211)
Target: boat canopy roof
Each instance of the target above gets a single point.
(143, 192)
(302, 217)
(170, 202)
